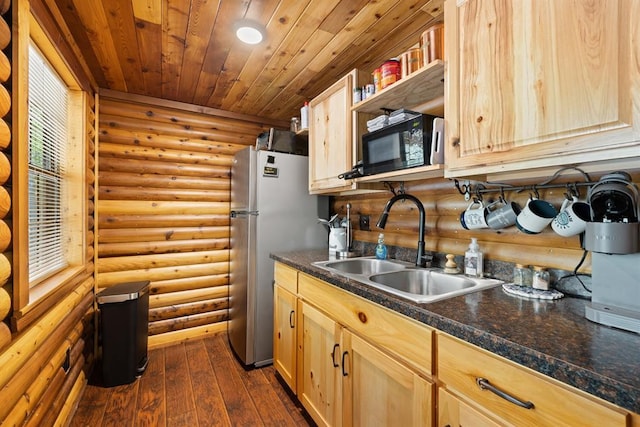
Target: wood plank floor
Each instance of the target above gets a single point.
(196, 383)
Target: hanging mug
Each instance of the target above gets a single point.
(501, 214)
(475, 216)
(572, 219)
(535, 216)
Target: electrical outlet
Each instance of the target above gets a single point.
(364, 223)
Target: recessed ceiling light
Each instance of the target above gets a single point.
(249, 32)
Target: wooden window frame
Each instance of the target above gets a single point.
(31, 302)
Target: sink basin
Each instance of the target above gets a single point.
(423, 282)
(365, 266)
(405, 280)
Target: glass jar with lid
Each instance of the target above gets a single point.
(522, 275)
(541, 279)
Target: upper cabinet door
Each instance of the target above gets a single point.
(540, 83)
(330, 143)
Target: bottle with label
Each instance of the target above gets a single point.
(304, 116)
(473, 262)
(381, 248)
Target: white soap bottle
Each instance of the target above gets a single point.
(473, 260)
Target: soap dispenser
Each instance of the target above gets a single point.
(473, 260)
(381, 248)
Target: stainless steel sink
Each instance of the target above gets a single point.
(423, 282)
(364, 266)
(405, 280)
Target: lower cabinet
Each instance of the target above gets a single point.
(453, 412)
(284, 343)
(379, 390)
(478, 383)
(347, 378)
(352, 362)
(319, 366)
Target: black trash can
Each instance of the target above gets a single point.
(124, 328)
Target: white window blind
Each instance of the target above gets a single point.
(48, 118)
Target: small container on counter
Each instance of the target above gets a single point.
(522, 275)
(541, 279)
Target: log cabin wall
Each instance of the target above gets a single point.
(444, 233)
(163, 207)
(46, 357)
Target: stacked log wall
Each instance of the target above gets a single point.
(444, 234)
(163, 207)
(46, 353)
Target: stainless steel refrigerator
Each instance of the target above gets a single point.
(271, 210)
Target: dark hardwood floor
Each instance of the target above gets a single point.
(196, 383)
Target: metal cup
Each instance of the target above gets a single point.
(502, 214)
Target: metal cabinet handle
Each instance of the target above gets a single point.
(344, 372)
(333, 354)
(291, 319)
(484, 384)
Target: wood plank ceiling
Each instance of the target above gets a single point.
(185, 50)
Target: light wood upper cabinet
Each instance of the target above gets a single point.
(330, 137)
(531, 84)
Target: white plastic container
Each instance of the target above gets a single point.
(304, 116)
(473, 262)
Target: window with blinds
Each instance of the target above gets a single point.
(48, 122)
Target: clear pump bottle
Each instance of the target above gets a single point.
(473, 262)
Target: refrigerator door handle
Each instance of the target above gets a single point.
(235, 214)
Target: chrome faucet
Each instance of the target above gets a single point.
(421, 258)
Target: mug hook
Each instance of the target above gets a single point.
(535, 194)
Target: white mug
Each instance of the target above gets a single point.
(338, 239)
(474, 217)
(572, 219)
(535, 216)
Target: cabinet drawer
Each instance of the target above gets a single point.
(397, 334)
(461, 364)
(286, 277)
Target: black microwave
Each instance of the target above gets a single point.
(402, 145)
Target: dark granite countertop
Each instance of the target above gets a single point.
(551, 337)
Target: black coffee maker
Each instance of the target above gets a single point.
(612, 236)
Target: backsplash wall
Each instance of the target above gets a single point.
(444, 233)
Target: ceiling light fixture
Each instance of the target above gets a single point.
(249, 32)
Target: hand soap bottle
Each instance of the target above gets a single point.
(381, 248)
(473, 260)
